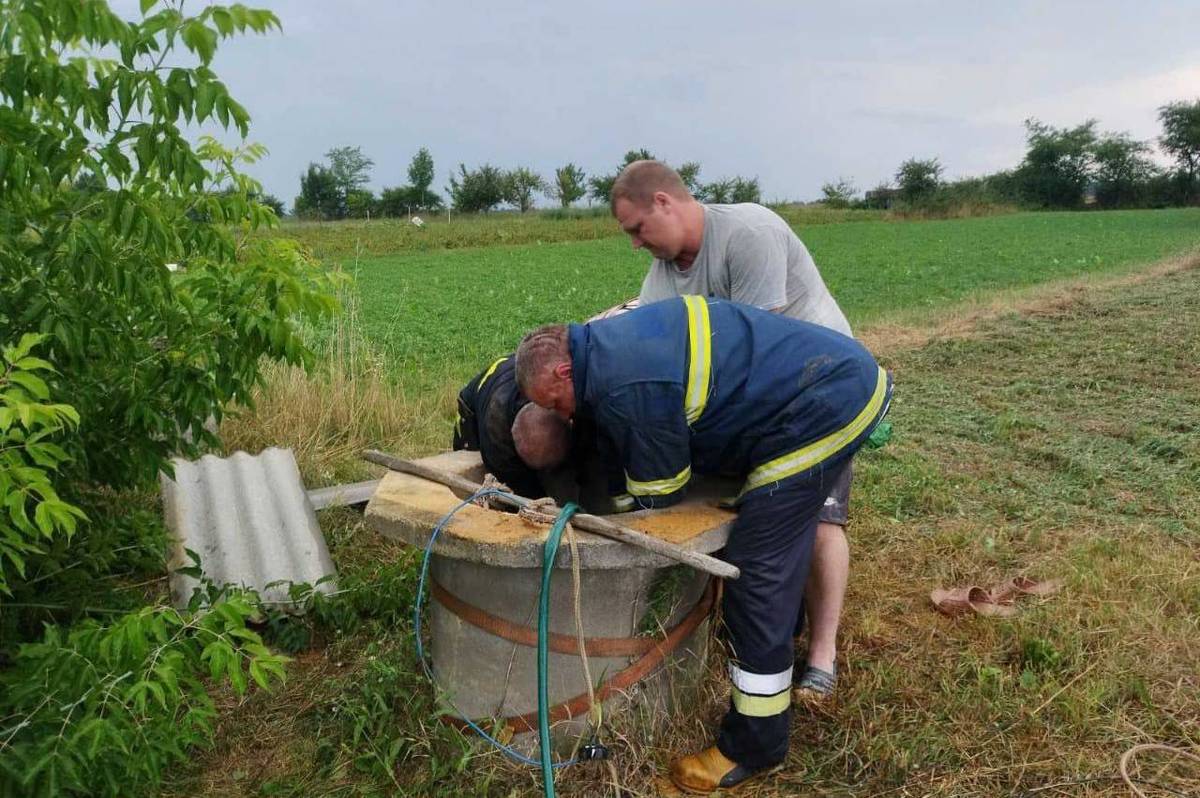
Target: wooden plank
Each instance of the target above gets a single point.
(343, 495)
(589, 523)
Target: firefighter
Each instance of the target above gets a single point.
(517, 441)
(696, 385)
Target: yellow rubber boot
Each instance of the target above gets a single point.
(706, 771)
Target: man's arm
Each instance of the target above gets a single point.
(758, 267)
(647, 428)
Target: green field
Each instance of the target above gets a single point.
(1062, 442)
(439, 315)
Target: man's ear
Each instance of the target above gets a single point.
(662, 200)
(563, 370)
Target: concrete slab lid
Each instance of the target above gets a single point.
(407, 508)
(249, 519)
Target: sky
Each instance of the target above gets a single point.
(794, 93)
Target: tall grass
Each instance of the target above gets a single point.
(348, 402)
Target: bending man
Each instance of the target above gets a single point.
(518, 441)
(695, 384)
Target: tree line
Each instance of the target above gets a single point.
(337, 188)
(1063, 168)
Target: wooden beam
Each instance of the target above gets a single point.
(589, 523)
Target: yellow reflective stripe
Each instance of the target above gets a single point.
(658, 487)
(491, 370)
(700, 357)
(761, 706)
(805, 458)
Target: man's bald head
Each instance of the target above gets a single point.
(543, 440)
(640, 180)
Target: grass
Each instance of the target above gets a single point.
(436, 317)
(1060, 441)
(340, 242)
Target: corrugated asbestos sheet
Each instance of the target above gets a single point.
(249, 519)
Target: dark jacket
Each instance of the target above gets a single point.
(706, 385)
(487, 406)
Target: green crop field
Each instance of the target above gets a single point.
(1059, 443)
(438, 315)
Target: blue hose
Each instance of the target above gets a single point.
(543, 648)
(421, 657)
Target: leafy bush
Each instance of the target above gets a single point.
(840, 194)
(1057, 164)
(477, 190)
(520, 185)
(32, 511)
(917, 180)
(145, 356)
(569, 185)
(130, 268)
(104, 709)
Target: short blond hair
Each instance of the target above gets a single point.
(639, 181)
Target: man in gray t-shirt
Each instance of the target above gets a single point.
(748, 254)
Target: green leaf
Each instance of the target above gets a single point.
(33, 364)
(32, 383)
(147, 5)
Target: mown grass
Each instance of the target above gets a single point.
(338, 242)
(1062, 442)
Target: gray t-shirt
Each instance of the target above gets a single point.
(749, 254)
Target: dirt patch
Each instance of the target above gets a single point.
(680, 524)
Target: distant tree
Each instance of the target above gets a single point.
(420, 178)
(717, 192)
(360, 204)
(918, 180)
(394, 201)
(400, 201)
(729, 189)
(1057, 164)
(1122, 171)
(319, 195)
(89, 183)
(568, 186)
(274, 203)
(351, 169)
(689, 173)
(520, 185)
(477, 190)
(840, 194)
(1181, 140)
(745, 189)
(600, 186)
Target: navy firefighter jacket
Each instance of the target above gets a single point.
(487, 406)
(711, 386)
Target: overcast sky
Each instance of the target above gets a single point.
(797, 93)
